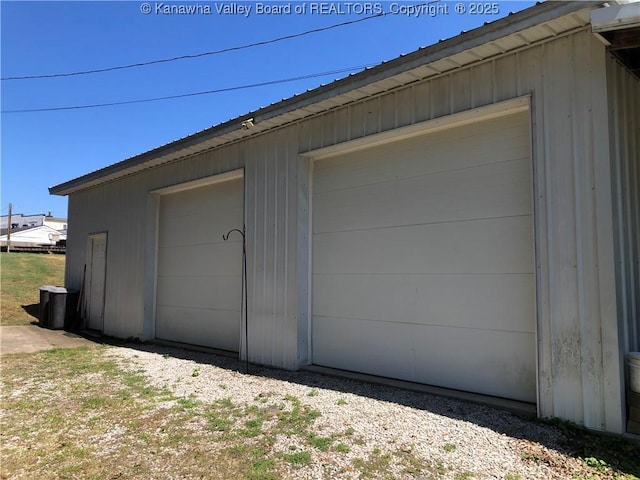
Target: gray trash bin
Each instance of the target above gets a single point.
(62, 308)
(43, 314)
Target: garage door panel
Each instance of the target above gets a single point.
(201, 228)
(489, 191)
(213, 292)
(214, 199)
(424, 155)
(435, 355)
(211, 259)
(194, 326)
(495, 302)
(501, 245)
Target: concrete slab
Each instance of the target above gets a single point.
(31, 338)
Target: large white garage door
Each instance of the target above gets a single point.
(423, 260)
(199, 289)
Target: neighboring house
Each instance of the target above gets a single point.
(19, 220)
(465, 216)
(59, 224)
(32, 236)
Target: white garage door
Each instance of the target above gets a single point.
(423, 260)
(199, 289)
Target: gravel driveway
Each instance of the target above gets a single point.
(457, 439)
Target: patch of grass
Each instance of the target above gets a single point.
(296, 420)
(22, 276)
(252, 428)
(83, 415)
(463, 476)
(449, 447)
(188, 403)
(437, 470)
(341, 401)
(313, 392)
(298, 458)
(603, 454)
(412, 464)
(321, 443)
(376, 465)
(219, 421)
(598, 465)
(342, 448)
(96, 402)
(512, 476)
(532, 457)
(255, 461)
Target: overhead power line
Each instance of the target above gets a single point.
(196, 55)
(193, 94)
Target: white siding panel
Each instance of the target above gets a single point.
(443, 356)
(579, 377)
(201, 260)
(498, 302)
(204, 292)
(435, 155)
(500, 245)
(193, 326)
(445, 197)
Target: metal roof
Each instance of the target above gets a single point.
(518, 30)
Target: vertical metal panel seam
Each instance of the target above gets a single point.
(549, 217)
(285, 281)
(254, 267)
(276, 224)
(451, 93)
(265, 252)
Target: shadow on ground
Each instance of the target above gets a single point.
(565, 438)
(33, 310)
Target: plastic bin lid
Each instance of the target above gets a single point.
(634, 356)
(47, 287)
(58, 290)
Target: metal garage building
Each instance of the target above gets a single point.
(465, 216)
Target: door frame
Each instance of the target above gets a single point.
(519, 104)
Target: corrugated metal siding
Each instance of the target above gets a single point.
(624, 95)
(576, 319)
(271, 186)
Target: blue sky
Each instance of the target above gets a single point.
(42, 149)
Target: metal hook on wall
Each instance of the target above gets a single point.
(244, 288)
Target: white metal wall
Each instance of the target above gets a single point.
(578, 361)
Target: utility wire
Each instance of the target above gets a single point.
(197, 55)
(193, 94)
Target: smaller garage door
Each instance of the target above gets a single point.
(199, 287)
